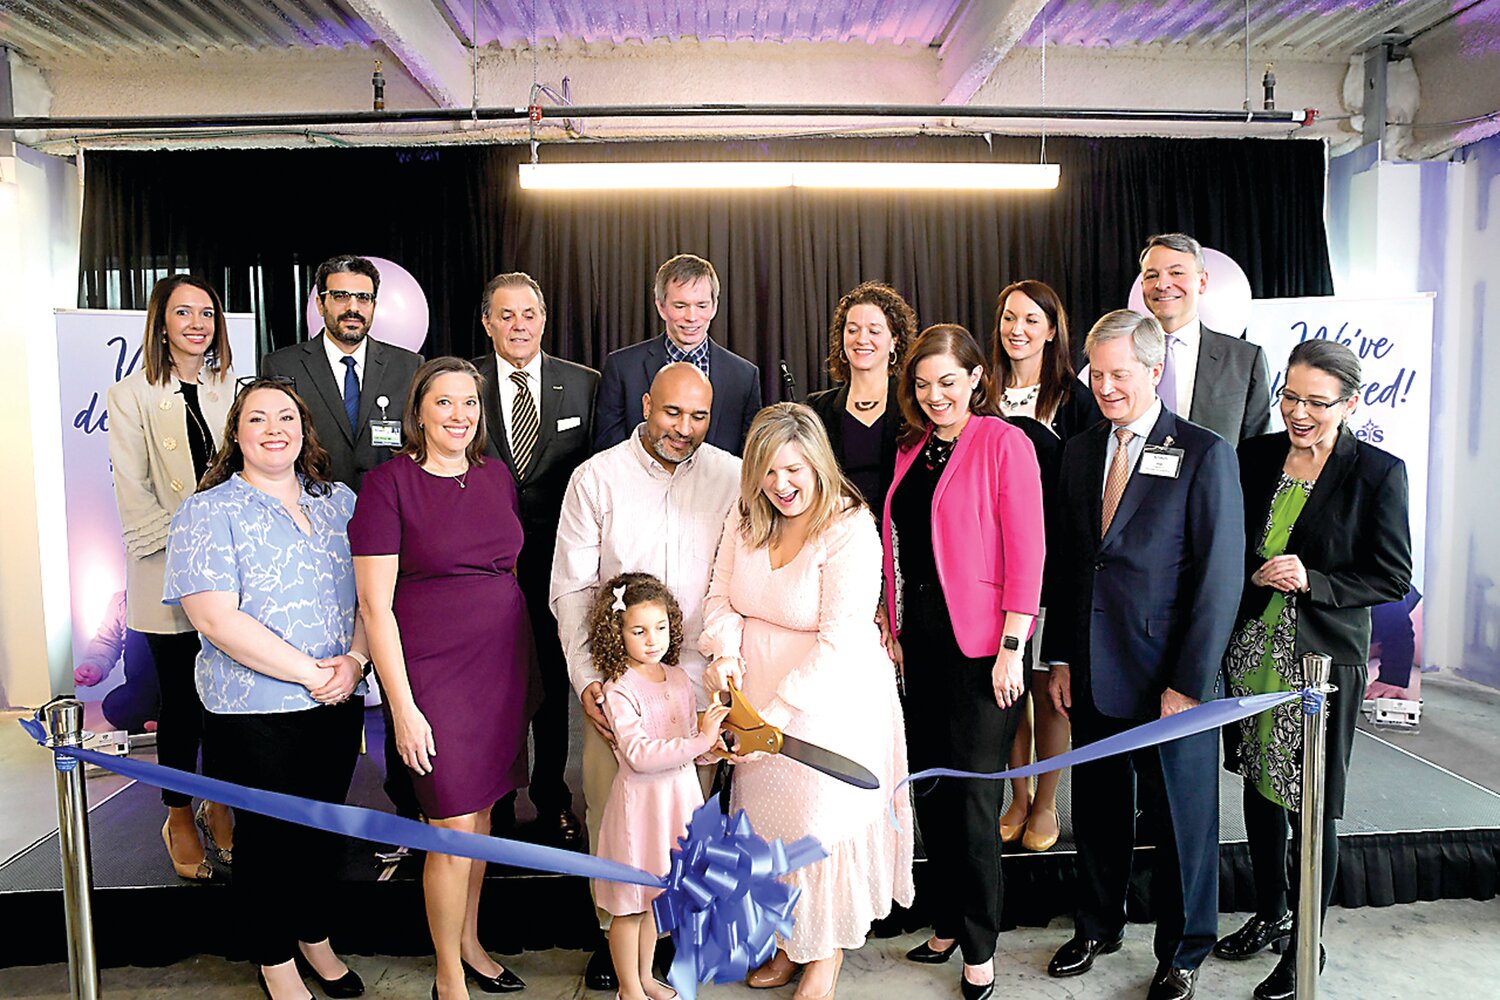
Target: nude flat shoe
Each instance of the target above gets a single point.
(838, 964)
(777, 971)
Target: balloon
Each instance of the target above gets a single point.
(400, 308)
(1225, 303)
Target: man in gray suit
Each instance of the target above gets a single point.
(355, 388)
(539, 411)
(1216, 381)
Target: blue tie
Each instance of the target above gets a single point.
(351, 394)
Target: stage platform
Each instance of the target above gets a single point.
(1412, 831)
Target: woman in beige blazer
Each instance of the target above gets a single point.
(166, 421)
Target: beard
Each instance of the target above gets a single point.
(343, 336)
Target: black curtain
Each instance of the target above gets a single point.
(455, 215)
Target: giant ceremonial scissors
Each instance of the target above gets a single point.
(752, 733)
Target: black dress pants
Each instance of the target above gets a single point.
(952, 720)
(1177, 786)
(179, 726)
(283, 871)
(549, 726)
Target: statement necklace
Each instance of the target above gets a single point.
(865, 405)
(1006, 402)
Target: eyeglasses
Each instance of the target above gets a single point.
(1313, 405)
(341, 297)
(264, 382)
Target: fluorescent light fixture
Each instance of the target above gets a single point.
(782, 174)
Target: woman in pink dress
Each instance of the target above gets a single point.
(790, 618)
(635, 632)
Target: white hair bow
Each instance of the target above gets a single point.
(619, 604)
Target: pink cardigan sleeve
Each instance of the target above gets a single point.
(1023, 547)
(640, 751)
(723, 627)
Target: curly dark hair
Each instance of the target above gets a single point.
(898, 316)
(605, 638)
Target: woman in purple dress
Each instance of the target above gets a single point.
(435, 536)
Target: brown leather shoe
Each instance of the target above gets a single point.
(778, 971)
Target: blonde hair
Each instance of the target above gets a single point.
(607, 640)
(782, 424)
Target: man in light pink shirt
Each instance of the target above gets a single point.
(654, 503)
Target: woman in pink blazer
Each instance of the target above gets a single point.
(963, 535)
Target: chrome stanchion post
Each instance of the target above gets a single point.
(1315, 670)
(65, 724)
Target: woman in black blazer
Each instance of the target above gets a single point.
(1326, 539)
(867, 341)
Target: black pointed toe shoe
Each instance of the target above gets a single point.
(505, 982)
(343, 988)
(928, 955)
(1256, 935)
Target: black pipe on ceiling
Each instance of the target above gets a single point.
(302, 119)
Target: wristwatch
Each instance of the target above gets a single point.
(1010, 642)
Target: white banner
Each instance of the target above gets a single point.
(95, 349)
(1393, 338)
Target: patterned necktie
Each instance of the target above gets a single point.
(1167, 387)
(524, 424)
(1119, 475)
(351, 394)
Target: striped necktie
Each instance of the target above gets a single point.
(524, 424)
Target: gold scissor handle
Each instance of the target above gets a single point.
(751, 732)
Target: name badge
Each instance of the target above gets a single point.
(1161, 460)
(385, 433)
(568, 423)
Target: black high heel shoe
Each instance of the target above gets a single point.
(343, 988)
(506, 982)
(928, 955)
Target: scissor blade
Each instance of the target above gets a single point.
(832, 764)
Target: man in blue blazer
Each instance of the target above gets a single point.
(1153, 548)
(687, 298)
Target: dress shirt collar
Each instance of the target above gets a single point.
(1189, 336)
(1141, 425)
(697, 356)
(643, 455)
(532, 368)
(336, 355)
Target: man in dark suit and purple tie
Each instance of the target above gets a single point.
(539, 412)
(1152, 539)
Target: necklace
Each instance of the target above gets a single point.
(865, 405)
(461, 478)
(937, 452)
(1026, 398)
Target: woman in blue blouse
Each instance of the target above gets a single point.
(259, 559)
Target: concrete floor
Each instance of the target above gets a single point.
(1443, 951)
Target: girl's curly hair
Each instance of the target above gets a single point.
(606, 637)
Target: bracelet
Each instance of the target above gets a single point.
(361, 659)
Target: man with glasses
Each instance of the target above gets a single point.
(1216, 381)
(355, 387)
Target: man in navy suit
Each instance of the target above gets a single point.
(539, 411)
(1153, 546)
(687, 298)
(1215, 380)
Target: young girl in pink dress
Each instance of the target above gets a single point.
(635, 630)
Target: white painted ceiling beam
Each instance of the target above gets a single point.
(981, 37)
(419, 36)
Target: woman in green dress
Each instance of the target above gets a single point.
(1326, 538)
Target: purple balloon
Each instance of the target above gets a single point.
(401, 312)
(1225, 303)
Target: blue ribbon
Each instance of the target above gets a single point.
(720, 902)
(724, 903)
(1199, 719)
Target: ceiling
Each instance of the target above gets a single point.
(49, 30)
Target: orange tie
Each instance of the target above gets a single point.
(1119, 475)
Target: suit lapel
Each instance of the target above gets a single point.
(549, 403)
(716, 409)
(370, 389)
(489, 368)
(1335, 471)
(315, 363)
(835, 426)
(1096, 441)
(1206, 376)
(1138, 486)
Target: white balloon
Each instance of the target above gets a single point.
(1225, 303)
